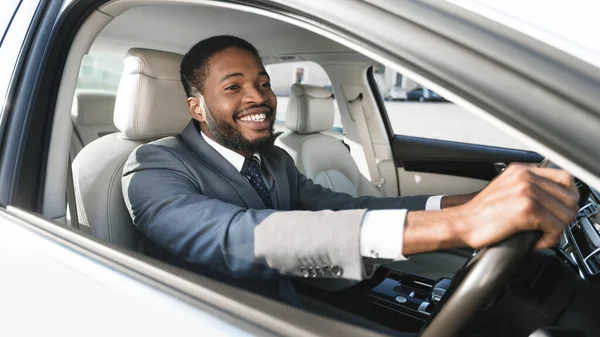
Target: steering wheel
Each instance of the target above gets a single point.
(490, 270)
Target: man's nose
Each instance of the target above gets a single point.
(254, 95)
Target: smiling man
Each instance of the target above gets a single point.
(221, 199)
(242, 123)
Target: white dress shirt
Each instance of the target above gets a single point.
(381, 233)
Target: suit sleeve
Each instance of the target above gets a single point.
(168, 207)
(315, 197)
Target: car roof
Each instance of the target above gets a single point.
(152, 27)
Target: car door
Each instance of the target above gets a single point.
(440, 148)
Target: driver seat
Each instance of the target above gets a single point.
(150, 104)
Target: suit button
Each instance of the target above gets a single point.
(337, 271)
(319, 272)
(326, 271)
(312, 272)
(304, 272)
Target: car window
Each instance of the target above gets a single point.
(283, 75)
(423, 113)
(100, 71)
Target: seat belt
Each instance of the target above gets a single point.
(76, 136)
(358, 115)
(71, 201)
(71, 198)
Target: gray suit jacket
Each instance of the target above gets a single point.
(198, 211)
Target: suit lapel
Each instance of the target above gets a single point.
(207, 154)
(279, 174)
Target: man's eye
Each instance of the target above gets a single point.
(233, 87)
(266, 85)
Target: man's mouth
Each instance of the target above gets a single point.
(259, 117)
(256, 114)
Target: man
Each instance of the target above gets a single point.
(220, 199)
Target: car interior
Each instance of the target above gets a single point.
(95, 130)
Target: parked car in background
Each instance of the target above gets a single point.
(395, 93)
(424, 95)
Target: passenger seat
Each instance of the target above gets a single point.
(321, 157)
(92, 116)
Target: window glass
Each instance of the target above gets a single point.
(100, 71)
(283, 75)
(414, 110)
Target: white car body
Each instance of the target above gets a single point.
(59, 281)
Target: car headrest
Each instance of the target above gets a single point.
(151, 102)
(310, 109)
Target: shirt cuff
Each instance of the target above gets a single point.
(382, 234)
(434, 203)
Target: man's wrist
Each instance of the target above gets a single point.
(448, 201)
(426, 231)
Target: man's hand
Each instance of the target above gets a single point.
(522, 198)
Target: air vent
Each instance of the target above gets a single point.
(584, 233)
(590, 209)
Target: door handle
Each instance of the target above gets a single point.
(499, 167)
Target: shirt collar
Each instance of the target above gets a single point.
(236, 159)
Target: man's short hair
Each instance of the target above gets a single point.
(194, 66)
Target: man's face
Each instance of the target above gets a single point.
(238, 106)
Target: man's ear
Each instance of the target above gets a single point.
(195, 108)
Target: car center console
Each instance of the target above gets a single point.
(403, 293)
(392, 298)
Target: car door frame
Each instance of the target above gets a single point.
(26, 123)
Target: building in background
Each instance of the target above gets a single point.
(391, 83)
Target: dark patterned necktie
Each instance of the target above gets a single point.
(254, 176)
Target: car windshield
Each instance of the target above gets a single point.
(569, 26)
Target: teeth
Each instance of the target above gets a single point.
(255, 118)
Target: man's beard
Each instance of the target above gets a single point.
(226, 135)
